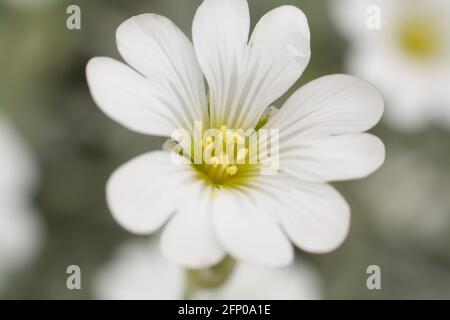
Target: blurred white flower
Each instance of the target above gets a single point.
(407, 59)
(139, 271)
(20, 231)
(299, 281)
(235, 210)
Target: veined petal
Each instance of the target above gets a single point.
(247, 232)
(144, 192)
(330, 105)
(128, 98)
(220, 34)
(315, 216)
(320, 127)
(159, 50)
(189, 238)
(279, 51)
(333, 158)
(245, 77)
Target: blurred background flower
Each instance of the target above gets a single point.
(138, 270)
(20, 228)
(399, 215)
(406, 55)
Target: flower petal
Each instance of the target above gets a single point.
(315, 216)
(158, 49)
(244, 76)
(247, 232)
(189, 239)
(138, 271)
(129, 98)
(279, 51)
(21, 233)
(220, 34)
(143, 193)
(330, 105)
(333, 158)
(313, 125)
(319, 218)
(19, 170)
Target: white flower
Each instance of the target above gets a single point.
(210, 211)
(20, 231)
(408, 59)
(139, 271)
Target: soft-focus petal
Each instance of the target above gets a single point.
(189, 238)
(20, 233)
(333, 158)
(159, 50)
(315, 216)
(138, 271)
(247, 232)
(145, 191)
(411, 84)
(351, 17)
(19, 169)
(20, 227)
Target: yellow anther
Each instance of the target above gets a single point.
(214, 161)
(232, 170)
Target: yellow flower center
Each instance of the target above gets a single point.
(420, 37)
(226, 159)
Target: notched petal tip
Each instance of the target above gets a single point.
(320, 221)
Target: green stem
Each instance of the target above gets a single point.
(211, 278)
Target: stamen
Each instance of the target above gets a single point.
(226, 163)
(232, 170)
